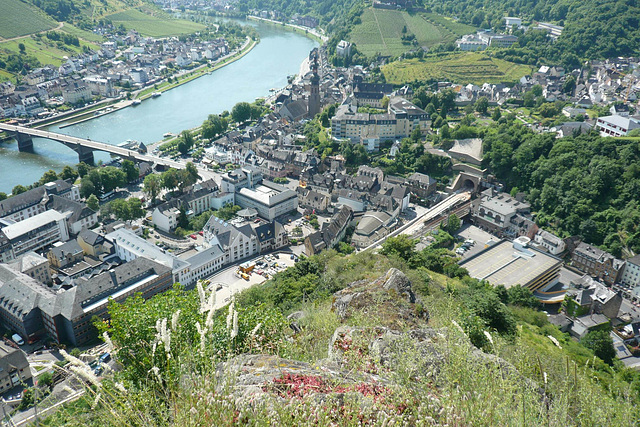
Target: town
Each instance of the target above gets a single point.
(338, 160)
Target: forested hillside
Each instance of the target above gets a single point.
(328, 12)
(584, 185)
(592, 28)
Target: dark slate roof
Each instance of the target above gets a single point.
(91, 237)
(71, 247)
(20, 294)
(78, 210)
(11, 360)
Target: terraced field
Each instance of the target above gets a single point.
(463, 68)
(153, 26)
(46, 51)
(18, 19)
(381, 32)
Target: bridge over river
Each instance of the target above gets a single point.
(84, 147)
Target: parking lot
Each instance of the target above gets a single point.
(229, 282)
(479, 236)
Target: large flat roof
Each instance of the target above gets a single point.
(23, 227)
(502, 264)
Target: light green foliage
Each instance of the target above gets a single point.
(601, 344)
(152, 185)
(134, 330)
(19, 19)
(459, 67)
(93, 203)
(380, 32)
(153, 26)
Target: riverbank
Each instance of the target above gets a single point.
(308, 32)
(112, 105)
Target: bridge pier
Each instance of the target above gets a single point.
(25, 142)
(85, 155)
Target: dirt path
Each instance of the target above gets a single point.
(59, 27)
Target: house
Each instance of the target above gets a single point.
(631, 273)
(581, 326)
(597, 263)
(236, 242)
(343, 49)
(78, 215)
(590, 296)
(33, 265)
(92, 243)
(314, 200)
(549, 241)
(502, 214)
(331, 233)
(32, 202)
(271, 236)
(65, 255)
(14, 367)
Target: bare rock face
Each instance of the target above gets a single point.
(389, 298)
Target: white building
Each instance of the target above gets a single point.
(236, 242)
(511, 21)
(616, 125)
(343, 49)
(631, 274)
(269, 199)
(32, 234)
(129, 246)
(552, 243)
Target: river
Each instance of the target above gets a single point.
(279, 54)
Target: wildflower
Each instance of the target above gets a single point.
(489, 337)
(255, 330)
(73, 360)
(234, 332)
(230, 316)
(203, 333)
(163, 335)
(120, 387)
(174, 320)
(108, 341)
(203, 299)
(457, 326)
(156, 371)
(544, 374)
(555, 341)
(95, 402)
(86, 374)
(193, 411)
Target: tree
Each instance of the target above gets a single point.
(152, 186)
(135, 208)
(496, 114)
(601, 344)
(18, 189)
(170, 179)
(416, 135)
(402, 246)
(214, 126)
(93, 203)
(241, 112)
(83, 169)
(521, 296)
(49, 176)
(385, 102)
(22, 48)
(120, 208)
(192, 174)
(87, 187)
(453, 224)
(130, 170)
(185, 142)
(482, 105)
(112, 178)
(3, 196)
(45, 379)
(69, 173)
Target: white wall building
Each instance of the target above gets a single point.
(269, 199)
(32, 234)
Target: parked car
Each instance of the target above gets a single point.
(193, 236)
(105, 357)
(201, 233)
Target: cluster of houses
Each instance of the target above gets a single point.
(130, 61)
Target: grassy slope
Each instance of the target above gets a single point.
(154, 26)
(19, 19)
(381, 32)
(461, 68)
(45, 50)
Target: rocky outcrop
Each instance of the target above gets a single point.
(390, 298)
